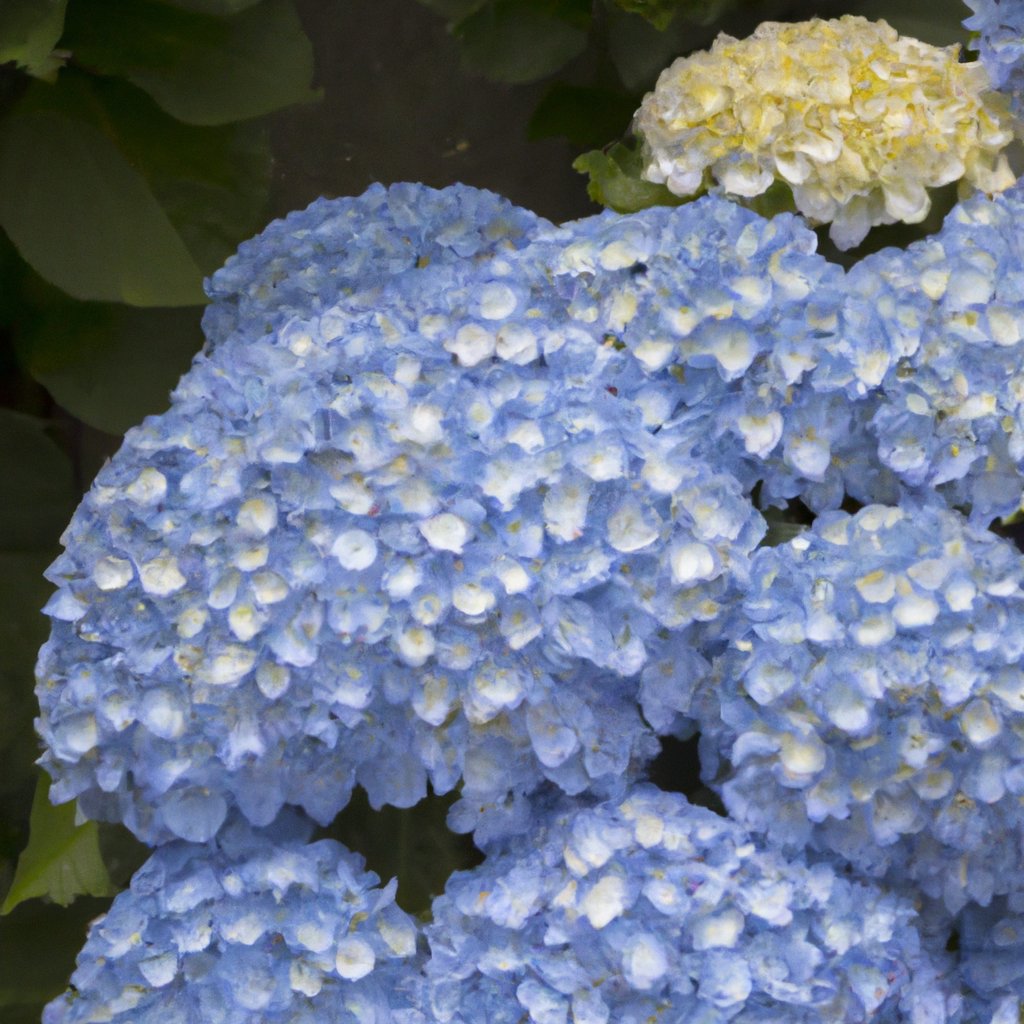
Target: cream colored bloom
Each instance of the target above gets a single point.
(858, 120)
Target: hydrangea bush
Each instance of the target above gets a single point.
(456, 497)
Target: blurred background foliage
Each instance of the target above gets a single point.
(140, 142)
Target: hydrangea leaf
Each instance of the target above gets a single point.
(212, 181)
(583, 115)
(200, 68)
(640, 52)
(661, 13)
(68, 194)
(517, 41)
(615, 180)
(658, 12)
(29, 30)
(22, 630)
(110, 365)
(62, 859)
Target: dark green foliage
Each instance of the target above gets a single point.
(67, 195)
(29, 30)
(39, 495)
(660, 13)
(519, 41)
(38, 945)
(200, 68)
(109, 365)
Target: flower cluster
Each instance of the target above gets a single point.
(628, 911)
(457, 497)
(871, 699)
(262, 927)
(857, 120)
(348, 250)
(1000, 28)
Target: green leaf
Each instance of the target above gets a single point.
(62, 860)
(110, 365)
(640, 52)
(585, 116)
(658, 12)
(85, 219)
(615, 181)
(23, 629)
(517, 41)
(38, 946)
(212, 181)
(29, 30)
(201, 69)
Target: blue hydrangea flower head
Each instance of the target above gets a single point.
(768, 361)
(257, 928)
(439, 535)
(948, 412)
(870, 701)
(1000, 28)
(755, 353)
(650, 908)
(344, 250)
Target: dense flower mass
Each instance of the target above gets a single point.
(654, 909)
(870, 702)
(1000, 28)
(407, 542)
(458, 498)
(857, 120)
(735, 326)
(487, 511)
(255, 930)
(945, 320)
(346, 251)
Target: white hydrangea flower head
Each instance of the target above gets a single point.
(859, 121)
